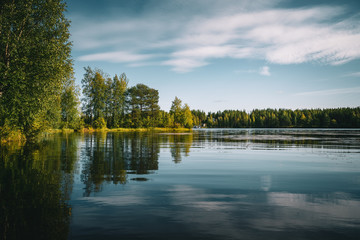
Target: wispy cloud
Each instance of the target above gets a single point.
(245, 71)
(354, 74)
(183, 65)
(186, 40)
(330, 92)
(120, 56)
(265, 71)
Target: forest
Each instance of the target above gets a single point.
(110, 103)
(38, 90)
(280, 118)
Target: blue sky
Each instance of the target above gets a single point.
(225, 54)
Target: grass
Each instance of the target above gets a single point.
(63, 130)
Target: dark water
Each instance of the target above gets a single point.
(210, 184)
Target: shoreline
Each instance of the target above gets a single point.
(17, 136)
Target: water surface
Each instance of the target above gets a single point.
(208, 184)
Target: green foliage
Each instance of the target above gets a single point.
(10, 133)
(165, 120)
(94, 91)
(34, 62)
(117, 101)
(283, 118)
(104, 97)
(187, 117)
(142, 106)
(199, 117)
(182, 116)
(100, 123)
(176, 112)
(70, 102)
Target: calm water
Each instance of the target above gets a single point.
(210, 184)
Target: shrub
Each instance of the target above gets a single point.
(100, 123)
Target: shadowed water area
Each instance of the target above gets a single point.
(208, 184)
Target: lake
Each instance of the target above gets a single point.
(207, 184)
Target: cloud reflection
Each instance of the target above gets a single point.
(116, 200)
(308, 211)
(235, 215)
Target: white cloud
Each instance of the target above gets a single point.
(186, 40)
(265, 71)
(184, 65)
(119, 56)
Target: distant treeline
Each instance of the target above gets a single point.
(280, 118)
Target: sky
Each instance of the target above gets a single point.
(225, 54)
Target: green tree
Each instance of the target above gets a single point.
(188, 118)
(34, 62)
(182, 116)
(142, 105)
(108, 100)
(284, 119)
(272, 118)
(100, 123)
(119, 86)
(165, 119)
(70, 103)
(94, 92)
(199, 117)
(176, 112)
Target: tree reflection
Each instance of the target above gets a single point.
(35, 185)
(180, 144)
(111, 156)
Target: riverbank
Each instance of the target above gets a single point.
(156, 129)
(18, 136)
(11, 136)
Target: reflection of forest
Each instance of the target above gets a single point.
(36, 181)
(179, 144)
(111, 156)
(35, 185)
